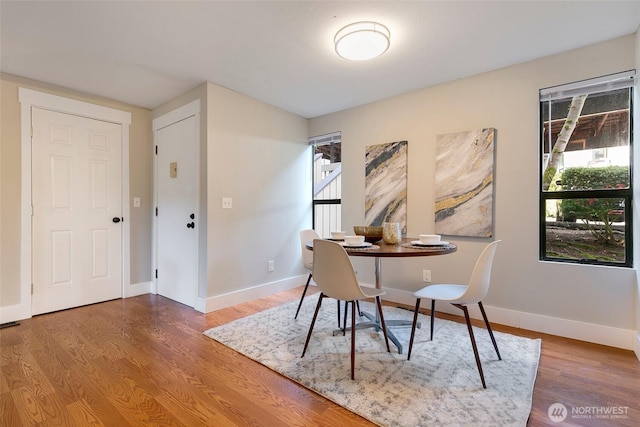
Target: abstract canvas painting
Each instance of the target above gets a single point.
(386, 184)
(464, 183)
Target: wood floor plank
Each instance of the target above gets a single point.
(143, 361)
(83, 414)
(9, 414)
(28, 408)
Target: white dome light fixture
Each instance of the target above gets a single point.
(362, 40)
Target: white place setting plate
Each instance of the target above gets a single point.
(362, 245)
(419, 243)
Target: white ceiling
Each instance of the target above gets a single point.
(281, 52)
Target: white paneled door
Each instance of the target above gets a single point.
(177, 201)
(77, 209)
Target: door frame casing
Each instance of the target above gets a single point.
(29, 98)
(190, 109)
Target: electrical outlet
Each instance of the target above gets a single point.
(426, 275)
(227, 203)
(271, 266)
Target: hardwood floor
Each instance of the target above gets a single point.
(144, 361)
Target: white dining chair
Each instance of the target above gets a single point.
(306, 236)
(461, 296)
(336, 278)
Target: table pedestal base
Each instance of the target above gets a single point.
(374, 322)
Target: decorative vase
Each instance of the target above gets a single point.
(391, 233)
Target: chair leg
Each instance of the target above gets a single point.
(413, 327)
(433, 315)
(384, 325)
(304, 292)
(473, 341)
(346, 310)
(313, 322)
(486, 322)
(353, 338)
(344, 322)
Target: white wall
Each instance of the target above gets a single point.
(257, 155)
(586, 302)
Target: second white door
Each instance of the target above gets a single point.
(177, 215)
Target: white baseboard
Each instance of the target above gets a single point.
(136, 289)
(200, 305)
(13, 313)
(627, 339)
(232, 298)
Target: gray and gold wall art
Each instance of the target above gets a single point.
(464, 183)
(386, 184)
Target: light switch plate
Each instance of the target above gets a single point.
(136, 202)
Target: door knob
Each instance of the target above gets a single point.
(191, 225)
(116, 219)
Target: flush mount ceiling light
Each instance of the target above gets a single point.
(362, 40)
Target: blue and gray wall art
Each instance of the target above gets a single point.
(386, 184)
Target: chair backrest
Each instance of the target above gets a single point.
(307, 236)
(333, 271)
(480, 276)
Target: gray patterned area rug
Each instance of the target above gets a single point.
(440, 385)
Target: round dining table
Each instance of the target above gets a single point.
(408, 247)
